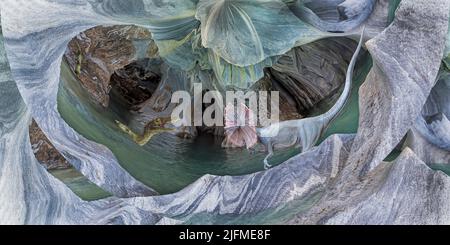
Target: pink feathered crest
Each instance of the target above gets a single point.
(240, 126)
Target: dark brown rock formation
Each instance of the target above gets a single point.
(44, 151)
(96, 54)
(135, 83)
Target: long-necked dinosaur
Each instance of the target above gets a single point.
(306, 132)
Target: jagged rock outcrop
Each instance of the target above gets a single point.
(385, 118)
(409, 193)
(136, 82)
(44, 150)
(430, 137)
(425, 150)
(96, 54)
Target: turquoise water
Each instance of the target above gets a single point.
(393, 5)
(441, 167)
(80, 185)
(168, 163)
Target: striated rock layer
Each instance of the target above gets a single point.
(94, 161)
(388, 111)
(44, 151)
(97, 53)
(32, 195)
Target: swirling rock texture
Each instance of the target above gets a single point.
(344, 180)
(320, 78)
(23, 201)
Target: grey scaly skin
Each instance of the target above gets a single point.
(304, 133)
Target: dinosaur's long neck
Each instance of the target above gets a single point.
(334, 111)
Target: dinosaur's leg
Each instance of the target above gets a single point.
(252, 151)
(266, 160)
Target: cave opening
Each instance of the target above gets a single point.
(98, 75)
(135, 83)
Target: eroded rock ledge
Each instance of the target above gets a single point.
(96, 54)
(44, 150)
